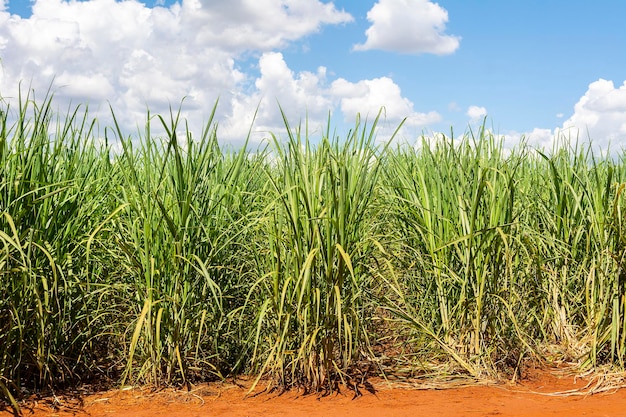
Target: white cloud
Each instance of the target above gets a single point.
(538, 138)
(135, 57)
(93, 85)
(599, 118)
(601, 113)
(260, 24)
(299, 95)
(368, 96)
(309, 92)
(304, 91)
(409, 26)
(476, 113)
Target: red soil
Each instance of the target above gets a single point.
(534, 397)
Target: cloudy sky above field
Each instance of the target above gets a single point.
(532, 67)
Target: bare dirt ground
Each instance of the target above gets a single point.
(541, 394)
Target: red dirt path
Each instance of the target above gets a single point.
(530, 398)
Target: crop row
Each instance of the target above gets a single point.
(310, 262)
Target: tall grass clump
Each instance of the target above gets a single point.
(576, 202)
(53, 193)
(314, 308)
(454, 205)
(185, 206)
(506, 254)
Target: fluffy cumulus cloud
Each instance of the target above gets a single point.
(601, 113)
(133, 57)
(259, 24)
(121, 52)
(367, 96)
(476, 113)
(310, 94)
(278, 87)
(599, 117)
(538, 138)
(409, 26)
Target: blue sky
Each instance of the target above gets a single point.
(535, 68)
